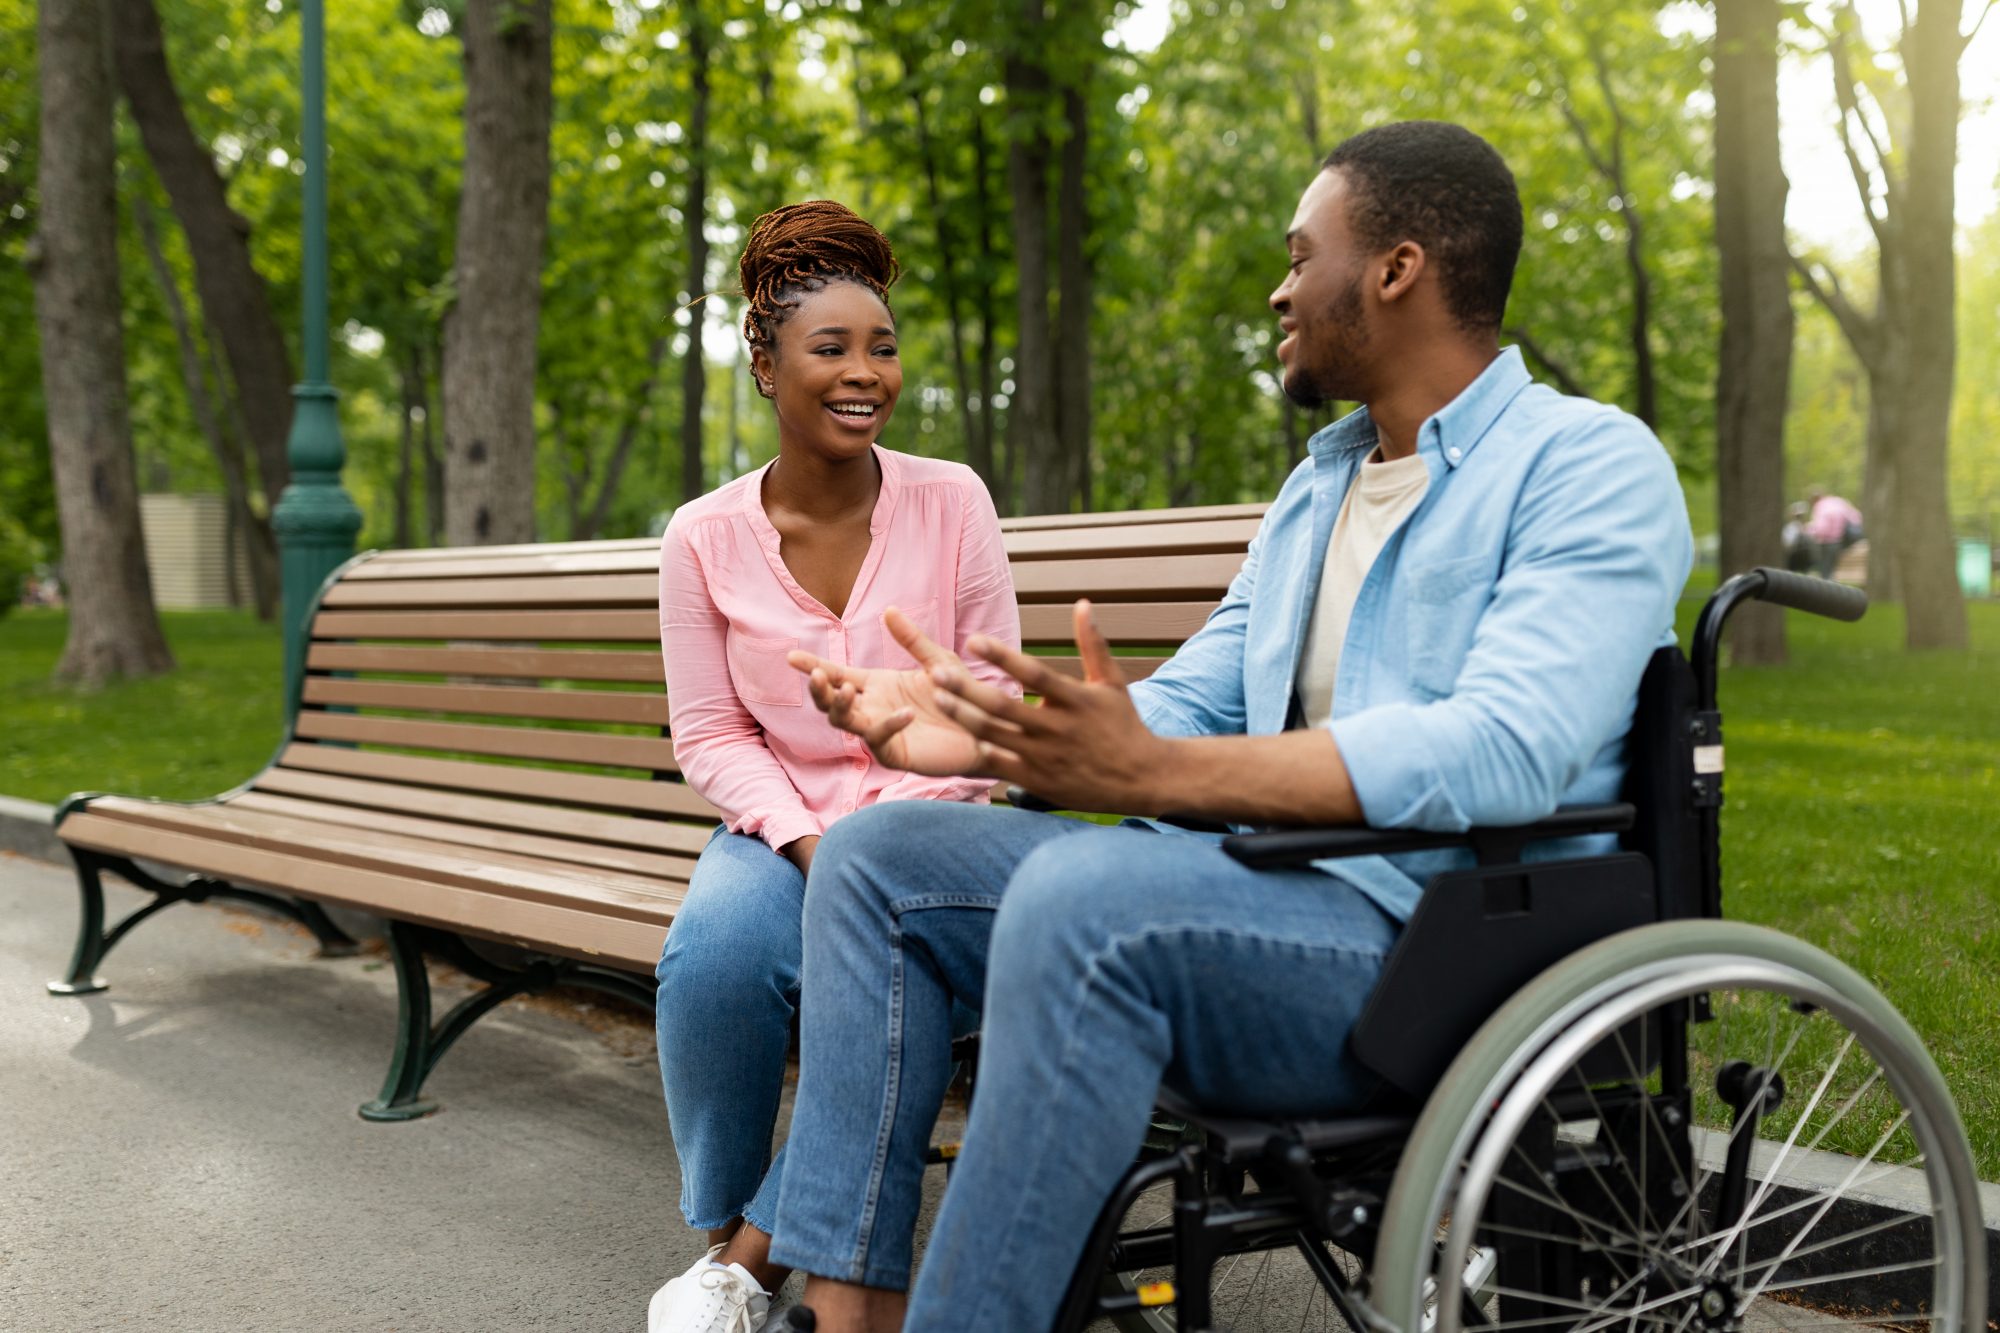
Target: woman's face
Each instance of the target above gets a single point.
(833, 374)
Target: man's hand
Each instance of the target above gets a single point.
(1083, 747)
(896, 712)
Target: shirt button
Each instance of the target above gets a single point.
(1454, 454)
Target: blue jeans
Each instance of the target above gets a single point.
(1108, 961)
(729, 985)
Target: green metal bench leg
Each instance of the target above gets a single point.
(419, 1045)
(93, 942)
(82, 978)
(413, 1059)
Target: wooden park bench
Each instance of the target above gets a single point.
(479, 755)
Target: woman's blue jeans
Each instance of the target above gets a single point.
(1108, 961)
(729, 985)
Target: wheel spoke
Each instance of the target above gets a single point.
(1831, 1199)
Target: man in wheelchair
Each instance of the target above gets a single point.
(1441, 626)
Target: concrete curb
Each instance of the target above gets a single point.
(27, 828)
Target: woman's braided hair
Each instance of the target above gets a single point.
(800, 248)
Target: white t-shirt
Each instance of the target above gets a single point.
(1382, 496)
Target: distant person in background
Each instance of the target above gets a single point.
(1833, 526)
(1800, 557)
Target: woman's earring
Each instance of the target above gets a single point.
(764, 388)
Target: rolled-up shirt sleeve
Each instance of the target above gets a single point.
(1596, 555)
(1200, 690)
(984, 598)
(719, 746)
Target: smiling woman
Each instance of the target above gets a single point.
(804, 554)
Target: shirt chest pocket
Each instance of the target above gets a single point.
(874, 646)
(758, 669)
(1443, 605)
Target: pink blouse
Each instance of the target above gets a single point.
(746, 734)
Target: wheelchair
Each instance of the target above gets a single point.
(1602, 1106)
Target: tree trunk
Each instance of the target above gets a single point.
(978, 446)
(490, 333)
(1908, 344)
(233, 297)
(244, 523)
(1073, 317)
(1933, 606)
(114, 629)
(638, 410)
(694, 367)
(1006, 481)
(433, 459)
(411, 374)
(1755, 364)
(1031, 414)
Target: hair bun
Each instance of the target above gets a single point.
(803, 246)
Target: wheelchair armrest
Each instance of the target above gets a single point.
(1295, 847)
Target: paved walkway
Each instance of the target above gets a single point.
(181, 1152)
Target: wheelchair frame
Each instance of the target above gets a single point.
(1322, 1183)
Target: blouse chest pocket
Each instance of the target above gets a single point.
(1443, 606)
(760, 672)
(874, 646)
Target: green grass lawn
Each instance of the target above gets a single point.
(1864, 815)
(1864, 805)
(193, 733)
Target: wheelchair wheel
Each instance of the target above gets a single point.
(1674, 1124)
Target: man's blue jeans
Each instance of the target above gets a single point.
(1108, 961)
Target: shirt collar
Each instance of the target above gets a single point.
(1454, 429)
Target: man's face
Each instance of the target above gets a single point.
(1319, 303)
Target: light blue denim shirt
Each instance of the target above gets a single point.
(1492, 663)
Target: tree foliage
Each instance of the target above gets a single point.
(1193, 158)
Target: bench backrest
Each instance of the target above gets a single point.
(533, 673)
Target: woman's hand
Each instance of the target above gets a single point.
(896, 712)
(799, 851)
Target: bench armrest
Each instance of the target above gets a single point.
(1296, 847)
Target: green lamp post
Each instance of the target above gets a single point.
(316, 520)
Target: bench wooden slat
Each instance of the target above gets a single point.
(1162, 578)
(599, 626)
(504, 873)
(1127, 625)
(1026, 539)
(561, 747)
(422, 554)
(1203, 538)
(542, 926)
(1135, 668)
(655, 865)
(483, 813)
(496, 700)
(593, 590)
(520, 663)
(587, 789)
(1191, 514)
(480, 562)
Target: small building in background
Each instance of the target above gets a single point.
(187, 550)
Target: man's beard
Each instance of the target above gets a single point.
(1322, 374)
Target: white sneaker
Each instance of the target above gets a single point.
(709, 1299)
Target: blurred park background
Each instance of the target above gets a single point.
(1770, 230)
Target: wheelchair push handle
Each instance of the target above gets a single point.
(1821, 597)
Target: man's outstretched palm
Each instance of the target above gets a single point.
(895, 712)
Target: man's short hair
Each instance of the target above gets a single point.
(1445, 188)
